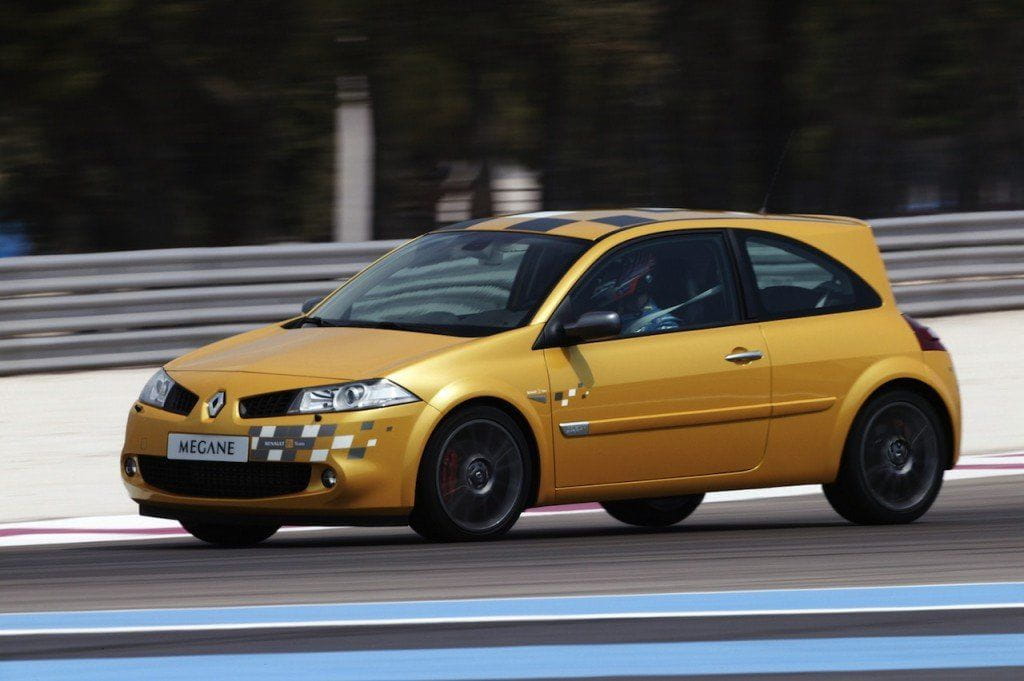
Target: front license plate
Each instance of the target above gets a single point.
(207, 447)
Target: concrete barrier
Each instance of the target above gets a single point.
(145, 307)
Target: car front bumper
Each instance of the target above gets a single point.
(374, 453)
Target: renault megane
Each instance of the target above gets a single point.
(638, 358)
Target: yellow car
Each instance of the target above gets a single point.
(638, 358)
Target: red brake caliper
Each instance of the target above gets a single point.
(449, 472)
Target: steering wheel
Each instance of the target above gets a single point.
(640, 322)
(826, 289)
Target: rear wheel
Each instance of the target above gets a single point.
(893, 461)
(474, 478)
(228, 534)
(660, 512)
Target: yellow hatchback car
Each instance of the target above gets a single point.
(638, 358)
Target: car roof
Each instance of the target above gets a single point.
(597, 224)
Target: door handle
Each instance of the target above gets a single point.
(744, 357)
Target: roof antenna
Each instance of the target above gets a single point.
(775, 175)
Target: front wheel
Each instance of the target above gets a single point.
(893, 462)
(228, 534)
(653, 512)
(474, 477)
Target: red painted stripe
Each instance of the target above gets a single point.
(564, 507)
(16, 531)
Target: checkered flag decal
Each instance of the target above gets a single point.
(306, 443)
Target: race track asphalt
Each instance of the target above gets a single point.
(974, 533)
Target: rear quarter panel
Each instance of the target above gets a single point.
(846, 355)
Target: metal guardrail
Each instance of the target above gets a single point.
(145, 307)
(955, 263)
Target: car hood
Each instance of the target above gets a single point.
(341, 353)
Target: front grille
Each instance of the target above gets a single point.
(180, 400)
(267, 404)
(224, 479)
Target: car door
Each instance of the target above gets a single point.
(682, 390)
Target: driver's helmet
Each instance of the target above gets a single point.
(636, 276)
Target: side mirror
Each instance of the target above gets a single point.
(593, 326)
(310, 304)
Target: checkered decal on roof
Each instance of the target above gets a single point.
(542, 224)
(592, 224)
(465, 223)
(306, 443)
(597, 224)
(624, 220)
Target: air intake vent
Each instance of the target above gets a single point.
(180, 400)
(267, 404)
(224, 480)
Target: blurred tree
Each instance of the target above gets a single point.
(137, 124)
(148, 123)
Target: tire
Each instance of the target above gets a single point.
(660, 512)
(228, 534)
(474, 478)
(893, 462)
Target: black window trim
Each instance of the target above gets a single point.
(548, 337)
(739, 238)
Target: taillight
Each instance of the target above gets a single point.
(926, 338)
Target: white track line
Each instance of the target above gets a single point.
(498, 619)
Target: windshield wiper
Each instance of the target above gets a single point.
(363, 324)
(393, 326)
(389, 325)
(319, 321)
(396, 326)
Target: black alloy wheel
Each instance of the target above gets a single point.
(893, 463)
(660, 512)
(474, 477)
(230, 534)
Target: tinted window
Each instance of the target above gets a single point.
(792, 279)
(663, 284)
(468, 283)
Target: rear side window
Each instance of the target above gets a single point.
(794, 279)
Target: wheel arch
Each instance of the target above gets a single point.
(915, 384)
(513, 412)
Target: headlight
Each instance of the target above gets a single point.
(353, 396)
(156, 389)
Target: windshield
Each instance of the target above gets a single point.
(459, 284)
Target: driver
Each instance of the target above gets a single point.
(633, 300)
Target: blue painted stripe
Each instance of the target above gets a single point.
(525, 662)
(882, 598)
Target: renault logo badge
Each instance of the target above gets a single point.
(216, 403)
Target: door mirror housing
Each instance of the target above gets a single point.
(310, 304)
(592, 326)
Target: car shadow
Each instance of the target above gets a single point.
(399, 537)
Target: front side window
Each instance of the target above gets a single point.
(462, 284)
(794, 280)
(663, 284)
